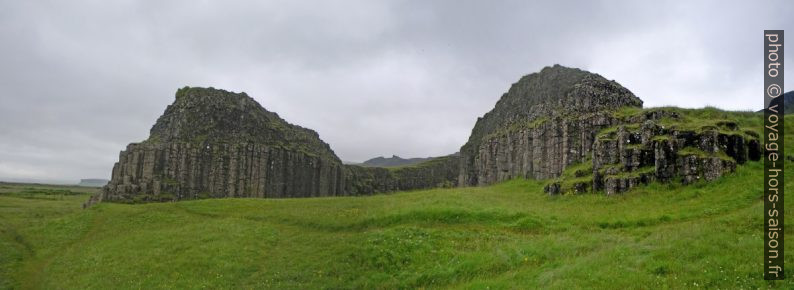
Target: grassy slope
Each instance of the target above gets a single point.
(504, 236)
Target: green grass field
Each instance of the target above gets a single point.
(510, 235)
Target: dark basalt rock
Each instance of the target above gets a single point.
(551, 120)
(212, 143)
(636, 154)
(545, 122)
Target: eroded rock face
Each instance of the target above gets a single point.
(545, 122)
(212, 143)
(643, 150)
(563, 117)
(175, 171)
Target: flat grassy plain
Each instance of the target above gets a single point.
(509, 235)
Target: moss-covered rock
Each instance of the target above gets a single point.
(545, 122)
(661, 145)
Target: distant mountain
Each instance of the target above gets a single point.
(37, 181)
(788, 103)
(393, 161)
(93, 182)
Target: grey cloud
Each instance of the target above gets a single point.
(81, 79)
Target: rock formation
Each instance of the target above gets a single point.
(568, 118)
(583, 132)
(659, 145)
(214, 143)
(545, 122)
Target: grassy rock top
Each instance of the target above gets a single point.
(210, 116)
(663, 144)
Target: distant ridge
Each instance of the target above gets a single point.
(393, 161)
(788, 103)
(93, 182)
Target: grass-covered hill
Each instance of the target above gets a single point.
(509, 235)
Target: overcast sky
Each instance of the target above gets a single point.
(79, 80)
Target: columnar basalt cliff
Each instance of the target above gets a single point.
(579, 130)
(545, 122)
(586, 133)
(659, 145)
(214, 143)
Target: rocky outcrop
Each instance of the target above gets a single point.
(588, 134)
(175, 171)
(545, 122)
(659, 146)
(583, 132)
(212, 143)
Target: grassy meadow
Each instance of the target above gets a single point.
(506, 236)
